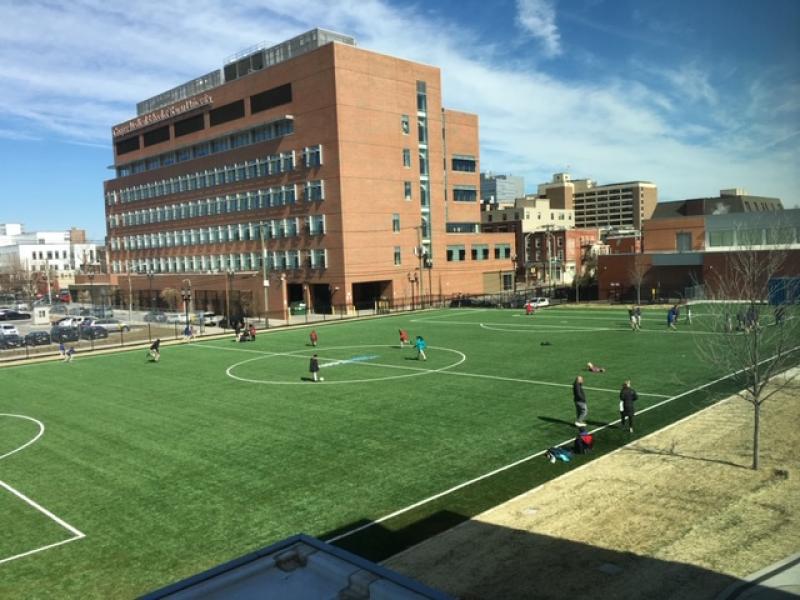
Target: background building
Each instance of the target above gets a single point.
(501, 190)
(314, 171)
(614, 205)
(42, 258)
(735, 200)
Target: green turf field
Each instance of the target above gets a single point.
(146, 473)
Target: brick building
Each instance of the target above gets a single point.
(313, 170)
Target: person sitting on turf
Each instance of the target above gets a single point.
(583, 441)
(252, 331)
(595, 368)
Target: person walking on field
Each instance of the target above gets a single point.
(313, 367)
(637, 312)
(403, 338)
(420, 345)
(313, 337)
(579, 397)
(627, 396)
(69, 354)
(632, 318)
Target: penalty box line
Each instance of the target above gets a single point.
(76, 533)
(525, 459)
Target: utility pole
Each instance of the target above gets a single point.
(421, 253)
(265, 281)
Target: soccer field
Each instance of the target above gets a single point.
(119, 476)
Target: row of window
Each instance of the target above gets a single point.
(219, 234)
(262, 133)
(273, 164)
(776, 236)
(248, 261)
(458, 253)
(314, 191)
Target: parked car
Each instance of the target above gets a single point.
(102, 312)
(298, 308)
(37, 338)
(155, 317)
(69, 322)
(93, 333)
(208, 319)
(8, 329)
(64, 334)
(539, 302)
(58, 309)
(110, 324)
(14, 315)
(11, 341)
(79, 311)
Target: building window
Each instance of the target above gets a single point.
(397, 260)
(315, 191)
(405, 124)
(683, 242)
(480, 252)
(720, 238)
(396, 223)
(406, 157)
(407, 190)
(423, 161)
(422, 131)
(316, 224)
(422, 97)
(466, 164)
(508, 281)
(424, 198)
(504, 250)
(465, 193)
(456, 253)
(313, 156)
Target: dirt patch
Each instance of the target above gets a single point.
(678, 514)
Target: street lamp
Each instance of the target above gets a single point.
(150, 276)
(91, 287)
(186, 295)
(514, 282)
(230, 274)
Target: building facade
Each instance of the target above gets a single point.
(735, 200)
(610, 206)
(311, 171)
(501, 190)
(680, 252)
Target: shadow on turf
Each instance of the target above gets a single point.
(570, 423)
(514, 563)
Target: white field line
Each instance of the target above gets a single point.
(28, 443)
(456, 312)
(76, 533)
(432, 371)
(526, 459)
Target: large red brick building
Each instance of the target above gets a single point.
(314, 169)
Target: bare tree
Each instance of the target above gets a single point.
(755, 342)
(637, 274)
(171, 297)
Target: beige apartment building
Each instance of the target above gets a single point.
(611, 206)
(313, 170)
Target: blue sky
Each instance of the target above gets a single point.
(695, 96)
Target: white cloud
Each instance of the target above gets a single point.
(538, 19)
(54, 79)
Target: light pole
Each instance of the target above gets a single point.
(91, 287)
(514, 282)
(265, 282)
(150, 276)
(186, 294)
(230, 274)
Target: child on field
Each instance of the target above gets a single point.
(420, 345)
(403, 338)
(595, 368)
(313, 337)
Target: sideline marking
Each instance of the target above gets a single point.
(76, 533)
(531, 457)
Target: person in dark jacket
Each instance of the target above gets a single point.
(313, 367)
(627, 396)
(155, 350)
(579, 397)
